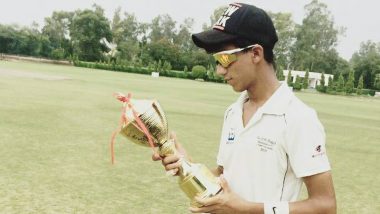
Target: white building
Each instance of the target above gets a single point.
(314, 78)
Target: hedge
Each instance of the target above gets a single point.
(138, 70)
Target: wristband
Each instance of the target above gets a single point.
(281, 207)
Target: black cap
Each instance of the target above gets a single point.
(239, 21)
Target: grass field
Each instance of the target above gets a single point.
(56, 123)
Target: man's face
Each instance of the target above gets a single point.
(240, 73)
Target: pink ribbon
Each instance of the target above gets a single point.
(123, 120)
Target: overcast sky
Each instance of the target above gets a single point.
(360, 17)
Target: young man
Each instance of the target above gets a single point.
(271, 142)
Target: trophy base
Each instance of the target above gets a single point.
(201, 182)
(194, 203)
(194, 179)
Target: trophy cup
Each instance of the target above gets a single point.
(194, 179)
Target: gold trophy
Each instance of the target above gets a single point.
(194, 179)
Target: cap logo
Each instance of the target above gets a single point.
(221, 23)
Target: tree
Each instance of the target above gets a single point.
(366, 63)
(285, 28)
(321, 87)
(330, 86)
(200, 57)
(210, 75)
(151, 66)
(298, 84)
(162, 27)
(349, 87)
(360, 85)
(185, 45)
(166, 66)
(7, 38)
(24, 40)
(45, 48)
(12, 39)
(341, 66)
(340, 86)
(164, 50)
(289, 78)
(56, 29)
(117, 27)
(87, 29)
(305, 83)
(376, 84)
(314, 49)
(183, 38)
(125, 33)
(280, 74)
(323, 82)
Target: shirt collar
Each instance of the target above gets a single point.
(277, 104)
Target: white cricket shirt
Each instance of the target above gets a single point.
(283, 142)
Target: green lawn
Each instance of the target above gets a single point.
(54, 138)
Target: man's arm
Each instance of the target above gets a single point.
(321, 199)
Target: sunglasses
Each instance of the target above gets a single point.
(225, 58)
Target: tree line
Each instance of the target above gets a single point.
(76, 35)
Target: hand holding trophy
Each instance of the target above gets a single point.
(143, 122)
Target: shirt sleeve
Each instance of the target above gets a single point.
(305, 145)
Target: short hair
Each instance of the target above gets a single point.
(268, 52)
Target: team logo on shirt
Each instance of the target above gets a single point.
(231, 136)
(318, 151)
